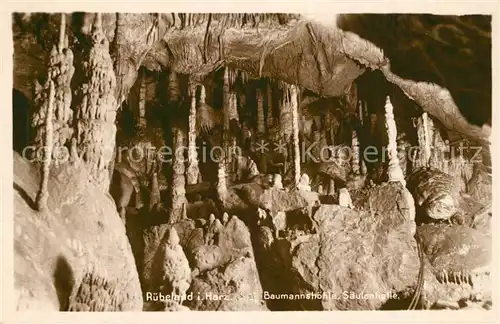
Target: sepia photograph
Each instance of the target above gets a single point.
(269, 162)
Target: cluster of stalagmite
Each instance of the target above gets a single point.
(394, 169)
(96, 111)
(193, 171)
(178, 188)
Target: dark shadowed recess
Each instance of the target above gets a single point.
(21, 128)
(451, 51)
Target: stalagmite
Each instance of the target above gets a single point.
(43, 194)
(142, 101)
(223, 161)
(361, 115)
(270, 113)
(154, 197)
(424, 140)
(60, 72)
(394, 169)
(295, 133)
(260, 112)
(176, 273)
(178, 188)
(221, 183)
(193, 171)
(331, 187)
(355, 153)
(345, 198)
(437, 158)
(285, 122)
(174, 90)
(96, 113)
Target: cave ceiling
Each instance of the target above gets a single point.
(442, 63)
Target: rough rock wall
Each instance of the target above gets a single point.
(75, 255)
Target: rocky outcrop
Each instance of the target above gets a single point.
(357, 260)
(461, 259)
(75, 255)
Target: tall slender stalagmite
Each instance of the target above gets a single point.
(261, 128)
(295, 133)
(96, 113)
(142, 101)
(193, 171)
(394, 169)
(285, 122)
(178, 188)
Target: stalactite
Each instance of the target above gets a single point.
(361, 115)
(363, 169)
(423, 135)
(223, 164)
(260, 112)
(174, 90)
(96, 113)
(394, 169)
(178, 188)
(43, 193)
(427, 137)
(60, 72)
(233, 106)
(142, 101)
(355, 153)
(193, 171)
(270, 113)
(222, 183)
(331, 188)
(226, 105)
(155, 197)
(295, 134)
